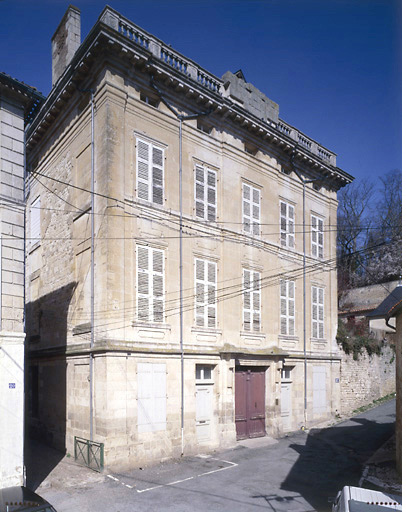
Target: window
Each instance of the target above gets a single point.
(203, 372)
(149, 100)
(288, 307)
(317, 237)
(151, 397)
(203, 127)
(150, 172)
(287, 220)
(205, 193)
(252, 300)
(35, 221)
(317, 312)
(286, 373)
(250, 209)
(205, 282)
(150, 284)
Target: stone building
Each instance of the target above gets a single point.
(18, 103)
(152, 339)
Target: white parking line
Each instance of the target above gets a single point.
(231, 465)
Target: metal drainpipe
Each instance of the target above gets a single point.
(304, 183)
(181, 118)
(91, 268)
(182, 364)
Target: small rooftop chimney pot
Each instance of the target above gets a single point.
(65, 42)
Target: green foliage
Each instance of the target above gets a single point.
(374, 403)
(353, 336)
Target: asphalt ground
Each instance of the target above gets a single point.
(297, 473)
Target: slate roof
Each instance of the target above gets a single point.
(387, 304)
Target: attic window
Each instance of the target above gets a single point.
(203, 127)
(149, 100)
(285, 171)
(316, 186)
(250, 149)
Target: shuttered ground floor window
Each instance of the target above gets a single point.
(151, 397)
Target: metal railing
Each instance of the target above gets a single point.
(89, 453)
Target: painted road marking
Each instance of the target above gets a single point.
(231, 465)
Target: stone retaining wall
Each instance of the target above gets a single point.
(368, 378)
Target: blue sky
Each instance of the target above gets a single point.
(333, 66)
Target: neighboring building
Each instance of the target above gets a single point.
(360, 304)
(18, 103)
(109, 358)
(391, 310)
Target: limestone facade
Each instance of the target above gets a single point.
(242, 318)
(16, 101)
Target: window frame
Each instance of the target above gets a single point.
(208, 303)
(250, 291)
(317, 248)
(288, 285)
(318, 312)
(206, 191)
(149, 183)
(151, 273)
(254, 224)
(287, 234)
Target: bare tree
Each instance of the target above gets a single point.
(354, 222)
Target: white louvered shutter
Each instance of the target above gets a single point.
(157, 175)
(317, 237)
(150, 284)
(317, 312)
(211, 195)
(321, 313)
(143, 284)
(291, 308)
(143, 170)
(150, 172)
(205, 282)
(251, 300)
(251, 199)
(288, 307)
(200, 192)
(287, 225)
(284, 307)
(35, 221)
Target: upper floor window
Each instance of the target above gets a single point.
(206, 193)
(317, 237)
(150, 172)
(250, 209)
(252, 300)
(150, 284)
(149, 99)
(287, 299)
(35, 221)
(205, 282)
(287, 224)
(317, 312)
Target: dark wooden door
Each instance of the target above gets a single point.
(249, 402)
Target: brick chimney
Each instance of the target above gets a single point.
(65, 42)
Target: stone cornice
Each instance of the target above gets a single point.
(115, 37)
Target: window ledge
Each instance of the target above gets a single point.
(206, 330)
(288, 337)
(151, 325)
(252, 334)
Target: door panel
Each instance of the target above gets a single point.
(241, 404)
(249, 403)
(286, 405)
(204, 409)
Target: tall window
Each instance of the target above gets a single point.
(205, 193)
(250, 209)
(252, 300)
(150, 172)
(35, 221)
(150, 284)
(317, 237)
(205, 281)
(317, 312)
(288, 307)
(287, 223)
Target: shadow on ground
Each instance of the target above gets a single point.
(330, 459)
